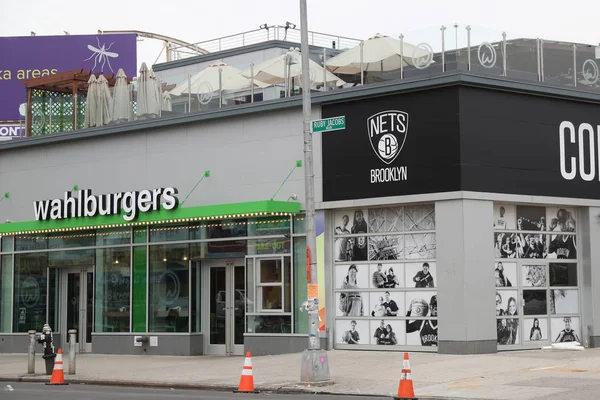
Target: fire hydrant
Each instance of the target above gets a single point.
(47, 340)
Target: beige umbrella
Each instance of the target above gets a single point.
(91, 102)
(207, 81)
(166, 102)
(105, 102)
(148, 97)
(379, 53)
(121, 111)
(273, 71)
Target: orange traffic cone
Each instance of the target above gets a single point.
(58, 373)
(405, 389)
(247, 380)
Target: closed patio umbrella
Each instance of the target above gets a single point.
(121, 102)
(91, 101)
(166, 102)
(148, 99)
(105, 102)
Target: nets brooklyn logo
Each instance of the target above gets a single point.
(387, 132)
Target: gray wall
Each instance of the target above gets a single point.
(280, 344)
(173, 345)
(248, 156)
(589, 236)
(466, 288)
(19, 343)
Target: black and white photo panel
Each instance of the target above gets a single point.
(389, 247)
(419, 218)
(565, 329)
(388, 332)
(562, 246)
(352, 222)
(506, 302)
(421, 304)
(421, 332)
(507, 245)
(505, 217)
(535, 329)
(561, 219)
(385, 220)
(535, 302)
(563, 274)
(421, 275)
(386, 304)
(531, 245)
(507, 330)
(343, 248)
(506, 274)
(534, 275)
(419, 246)
(352, 304)
(386, 276)
(352, 332)
(352, 276)
(531, 218)
(564, 301)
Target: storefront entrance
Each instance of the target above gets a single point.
(226, 296)
(77, 306)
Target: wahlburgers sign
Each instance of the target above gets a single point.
(129, 204)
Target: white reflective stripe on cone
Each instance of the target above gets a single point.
(409, 376)
(58, 366)
(405, 364)
(248, 362)
(246, 372)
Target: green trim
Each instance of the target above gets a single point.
(219, 211)
(139, 289)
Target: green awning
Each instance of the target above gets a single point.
(179, 215)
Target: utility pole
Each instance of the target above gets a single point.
(315, 366)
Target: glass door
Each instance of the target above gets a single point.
(77, 307)
(225, 323)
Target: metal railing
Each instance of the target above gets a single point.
(264, 34)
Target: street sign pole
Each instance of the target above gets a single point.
(315, 366)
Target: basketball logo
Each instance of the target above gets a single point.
(388, 146)
(387, 132)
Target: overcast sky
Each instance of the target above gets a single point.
(201, 20)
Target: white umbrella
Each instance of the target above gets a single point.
(105, 102)
(379, 53)
(272, 71)
(207, 81)
(166, 101)
(157, 89)
(148, 99)
(121, 103)
(91, 102)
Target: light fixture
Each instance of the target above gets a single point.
(164, 259)
(185, 258)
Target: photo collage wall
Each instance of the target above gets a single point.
(536, 271)
(385, 277)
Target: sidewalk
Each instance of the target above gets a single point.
(508, 375)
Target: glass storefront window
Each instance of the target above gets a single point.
(269, 323)
(53, 296)
(113, 290)
(139, 234)
(62, 240)
(113, 237)
(6, 268)
(70, 258)
(299, 224)
(168, 302)
(7, 243)
(196, 285)
(31, 242)
(30, 291)
(169, 233)
(275, 225)
(269, 246)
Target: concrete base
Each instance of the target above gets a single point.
(470, 347)
(168, 345)
(280, 344)
(315, 368)
(19, 343)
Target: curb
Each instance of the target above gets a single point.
(299, 389)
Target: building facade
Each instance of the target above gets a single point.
(455, 214)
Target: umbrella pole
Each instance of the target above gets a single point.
(220, 88)
(251, 82)
(362, 81)
(189, 93)
(401, 56)
(285, 82)
(324, 69)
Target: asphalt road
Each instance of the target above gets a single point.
(40, 391)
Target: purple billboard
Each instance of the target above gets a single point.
(28, 57)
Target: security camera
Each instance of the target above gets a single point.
(290, 25)
(293, 197)
(264, 26)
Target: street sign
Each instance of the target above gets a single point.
(328, 124)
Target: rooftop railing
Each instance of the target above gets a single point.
(426, 53)
(264, 34)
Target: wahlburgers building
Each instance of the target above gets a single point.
(455, 214)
